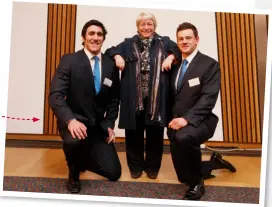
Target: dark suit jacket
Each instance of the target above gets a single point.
(195, 103)
(72, 92)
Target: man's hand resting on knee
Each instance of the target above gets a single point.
(177, 123)
(77, 129)
(111, 137)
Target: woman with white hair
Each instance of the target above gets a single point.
(144, 60)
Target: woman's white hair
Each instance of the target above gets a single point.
(146, 15)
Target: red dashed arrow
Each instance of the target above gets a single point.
(34, 119)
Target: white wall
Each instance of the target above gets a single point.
(27, 67)
(121, 23)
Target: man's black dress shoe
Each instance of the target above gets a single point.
(195, 192)
(73, 184)
(223, 163)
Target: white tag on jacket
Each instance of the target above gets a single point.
(107, 82)
(194, 82)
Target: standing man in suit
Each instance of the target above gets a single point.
(195, 87)
(84, 97)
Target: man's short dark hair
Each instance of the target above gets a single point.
(187, 25)
(96, 23)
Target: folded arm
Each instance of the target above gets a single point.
(117, 54)
(173, 55)
(116, 50)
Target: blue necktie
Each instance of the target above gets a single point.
(96, 73)
(181, 74)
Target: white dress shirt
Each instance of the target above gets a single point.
(189, 59)
(92, 61)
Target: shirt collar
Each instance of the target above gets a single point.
(90, 55)
(191, 56)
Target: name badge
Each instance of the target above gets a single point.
(107, 82)
(194, 82)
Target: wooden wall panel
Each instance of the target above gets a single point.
(60, 40)
(239, 88)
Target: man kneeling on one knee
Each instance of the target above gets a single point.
(84, 97)
(195, 88)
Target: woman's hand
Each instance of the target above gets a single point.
(119, 61)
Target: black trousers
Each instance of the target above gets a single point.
(136, 148)
(186, 153)
(93, 153)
